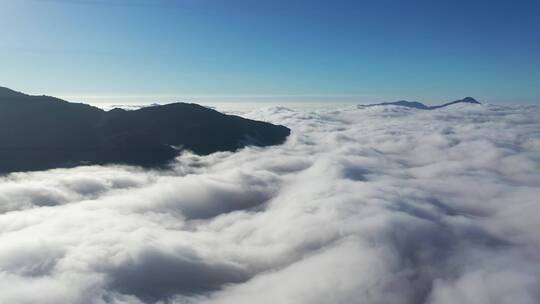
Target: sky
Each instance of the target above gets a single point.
(142, 51)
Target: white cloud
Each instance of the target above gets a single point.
(377, 205)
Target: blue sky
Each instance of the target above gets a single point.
(277, 51)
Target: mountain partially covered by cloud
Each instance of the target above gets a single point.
(371, 205)
(42, 132)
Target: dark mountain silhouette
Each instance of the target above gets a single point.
(42, 132)
(464, 100)
(421, 106)
(403, 103)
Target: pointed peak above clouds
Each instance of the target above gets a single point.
(469, 100)
(464, 100)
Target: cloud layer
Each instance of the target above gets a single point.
(378, 205)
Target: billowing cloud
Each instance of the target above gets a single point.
(376, 205)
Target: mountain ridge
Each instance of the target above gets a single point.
(43, 132)
(421, 106)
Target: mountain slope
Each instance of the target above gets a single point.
(41, 132)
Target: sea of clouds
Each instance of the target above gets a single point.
(360, 205)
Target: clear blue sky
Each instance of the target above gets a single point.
(281, 50)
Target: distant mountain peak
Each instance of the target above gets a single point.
(421, 106)
(469, 100)
(464, 100)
